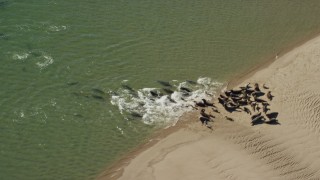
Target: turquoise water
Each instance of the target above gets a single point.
(60, 59)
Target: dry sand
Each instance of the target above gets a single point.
(237, 150)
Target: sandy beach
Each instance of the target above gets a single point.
(237, 150)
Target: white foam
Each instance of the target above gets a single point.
(21, 56)
(22, 114)
(163, 109)
(120, 129)
(57, 28)
(45, 62)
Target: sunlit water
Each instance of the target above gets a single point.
(66, 109)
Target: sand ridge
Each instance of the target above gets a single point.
(237, 150)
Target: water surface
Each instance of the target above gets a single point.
(54, 54)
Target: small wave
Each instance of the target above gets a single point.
(21, 56)
(53, 28)
(120, 129)
(158, 107)
(40, 58)
(45, 62)
(3, 36)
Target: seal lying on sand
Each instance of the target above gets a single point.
(204, 120)
(207, 103)
(200, 104)
(221, 100)
(257, 120)
(265, 87)
(265, 108)
(272, 121)
(204, 114)
(247, 110)
(229, 118)
(269, 96)
(255, 115)
(272, 115)
(214, 109)
(233, 91)
(253, 106)
(256, 87)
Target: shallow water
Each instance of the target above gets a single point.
(60, 59)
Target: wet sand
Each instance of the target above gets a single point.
(237, 150)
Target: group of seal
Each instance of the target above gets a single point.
(243, 99)
(205, 118)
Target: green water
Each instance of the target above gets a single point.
(54, 52)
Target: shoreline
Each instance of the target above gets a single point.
(116, 170)
(236, 79)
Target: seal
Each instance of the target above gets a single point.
(200, 104)
(154, 93)
(185, 89)
(168, 91)
(215, 110)
(259, 100)
(164, 83)
(258, 108)
(247, 110)
(207, 103)
(265, 87)
(243, 102)
(255, 115)
(253, 106)
(248, 86)
(236, 91)
(265, 108)
(257, 120)
(272, 115)
(221, 101)
(223, 96)
(257, 93)
(204, 114)
(229, 118)
(204, 120)
(135, 114)
(227, 93)
(272, 121)
(256, 87)
(269, 96)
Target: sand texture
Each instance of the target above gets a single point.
(237, 150)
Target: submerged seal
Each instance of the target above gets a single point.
(164, 83)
